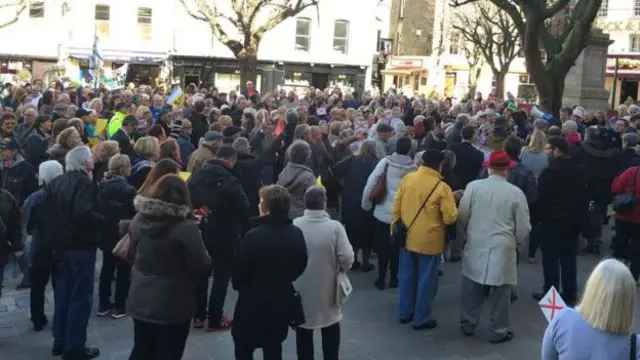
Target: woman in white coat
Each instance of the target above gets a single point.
(329, 251)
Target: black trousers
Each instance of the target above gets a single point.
(626, 244)
(39, 279)
(212, 311)
(111, 264)
(330, 343)
(534, 240)
(559, 245)
(269, 352)
(388, 256)
(159, 342)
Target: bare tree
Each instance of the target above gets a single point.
(537, 24)
(475, 61)
(491, 31)
(244, 19)
(12, 10)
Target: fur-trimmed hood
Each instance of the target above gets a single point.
(159, 208)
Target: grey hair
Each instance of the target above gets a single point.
(315, 198)
(634, 109)
(261, 115)
(299, 152)
(241, 145)
(540, 124)
(570, 126)
(301, 131)
(77, 158)
(368, 148)
(630, 140)
(462, 119)
(49, 170)
(592, 133)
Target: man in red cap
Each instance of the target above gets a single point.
(493, 218)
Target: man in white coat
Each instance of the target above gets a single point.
(493, 218)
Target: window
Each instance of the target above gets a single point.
(604, 9)
(525, 79)
(36, 9)
(454, 45)
(144, 23)
(303, 34)
(636, 8)
(401, 14)
(634, 43)
(341, 36)
(102, 15)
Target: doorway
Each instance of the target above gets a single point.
(191, 79)
(628, 89)
(319, 81)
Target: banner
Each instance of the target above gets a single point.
(115, 79)
(176, 98)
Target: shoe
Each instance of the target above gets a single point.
(86, 354)
(118, 314)
(393, 283)
(224, 324)
(506, 337)
(367, 268)
(57, 350)
(406, 320)
(102, 312)
(430, 324)
(39, 325)
(468, 330)
(379, 284)
(198, 324)
(356, 265)
(514, 296)
(538, 296)
(440, 272)
(23, 286)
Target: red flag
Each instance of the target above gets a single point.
(279, 128)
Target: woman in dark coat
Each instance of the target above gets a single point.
(272, 256)
(355, 171)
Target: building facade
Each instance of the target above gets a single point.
(331, 45)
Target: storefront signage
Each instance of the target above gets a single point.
(405, 62)
(616, 25)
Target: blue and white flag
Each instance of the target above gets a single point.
(95, 61)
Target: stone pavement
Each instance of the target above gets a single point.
(370, 330)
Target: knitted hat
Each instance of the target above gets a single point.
(176, 129)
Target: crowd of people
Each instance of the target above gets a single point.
(281, 195)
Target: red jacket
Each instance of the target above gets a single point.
(623, 183)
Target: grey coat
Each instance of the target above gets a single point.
(296, 179)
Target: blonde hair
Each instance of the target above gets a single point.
(120, 165)
(225, 121)
(148, 146)
(609, 299)
(107, 149)
(141, 110)
(537, 142)
(65, 136)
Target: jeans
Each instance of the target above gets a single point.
(39, 279)
(418, 285)
(330, 342)
(73, 298)
(159, 342)
(110, 263)
(559, 245)
(269, 352)
(222, 269)
(387, 254)
(626, 244)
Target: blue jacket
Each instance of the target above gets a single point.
(186, 148)
(40, 252)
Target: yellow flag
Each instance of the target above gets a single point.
(185, 175)
(101, 124)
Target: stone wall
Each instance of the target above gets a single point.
(414, 31)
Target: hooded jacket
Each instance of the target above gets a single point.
(115, 203)
(296, 179)
(21, 179)
(170, 258)
(399, 166)
(600, 169)
(200, 127)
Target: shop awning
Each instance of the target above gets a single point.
(403, 70)
(120, 56)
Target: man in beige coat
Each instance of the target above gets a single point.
(493, 218)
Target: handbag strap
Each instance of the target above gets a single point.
(423, 204)
(632, 353)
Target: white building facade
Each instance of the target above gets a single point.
(325, 46)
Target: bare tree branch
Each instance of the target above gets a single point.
(209, 13)
(17, 7)
(556, 7)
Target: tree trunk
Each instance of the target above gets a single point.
(248, 62)
(500, 75)
(474, 75)
(551, 95)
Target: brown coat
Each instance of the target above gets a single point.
(199, 157)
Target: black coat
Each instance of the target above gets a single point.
(468, 161)
(11, 234)
(34, 220)
(355, 171)
(71, 204)
(562, 193)
(272, 256)
(626, 159)
(200, 127)
(219, 189)
(140, 168)
(35, 148)
(21, 180)
(125, 143)
(115, 203)
(600, 169)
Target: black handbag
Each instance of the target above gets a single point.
(296, 312)
(400, 230)
(626, 202)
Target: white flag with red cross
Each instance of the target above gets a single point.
(551, 304)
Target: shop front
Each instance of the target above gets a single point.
(24, 69)
(406, 74)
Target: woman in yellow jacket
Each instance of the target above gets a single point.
(425, 237)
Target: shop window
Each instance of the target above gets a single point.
(636, 8)
(604, 9)
(423, 81)
(303, 34)
(36, 9)
(341, 36)
(525, 79)
(634, 42)
(454, 44)
(102, 16)
(145, 16)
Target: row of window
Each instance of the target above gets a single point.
(340, 35)
(102, 16)
(604, 8)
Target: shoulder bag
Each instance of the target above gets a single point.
(379, 191)
(632, 353)
(343, 284)
(296, 311)
(124, 249)
(626, 202)
(400, 230)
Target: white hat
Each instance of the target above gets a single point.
(578, 112)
